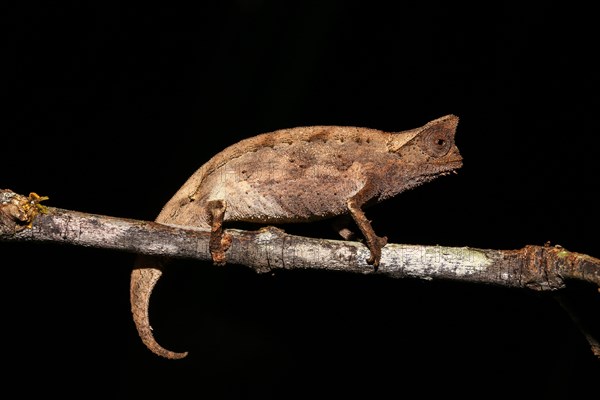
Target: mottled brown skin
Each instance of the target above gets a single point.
(298, 175)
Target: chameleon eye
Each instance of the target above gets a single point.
(436, 142)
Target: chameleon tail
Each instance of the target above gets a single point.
(143, 280)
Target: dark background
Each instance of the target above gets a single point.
(108, 109)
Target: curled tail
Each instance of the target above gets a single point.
(143, 280)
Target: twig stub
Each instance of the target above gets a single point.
(17, 212)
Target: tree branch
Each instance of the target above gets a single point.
(540, 268)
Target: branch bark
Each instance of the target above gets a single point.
(539, 268)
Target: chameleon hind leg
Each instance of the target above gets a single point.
(219, 240)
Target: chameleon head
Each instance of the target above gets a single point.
(426, 152)
(432, 145)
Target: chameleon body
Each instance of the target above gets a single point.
(298, 175)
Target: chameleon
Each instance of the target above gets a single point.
(297, 175)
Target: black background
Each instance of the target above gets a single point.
(109, 108)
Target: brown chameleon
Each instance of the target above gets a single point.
(298, 175)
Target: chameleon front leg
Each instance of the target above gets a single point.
(374, 242)
(341, 225)
(219, 240)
